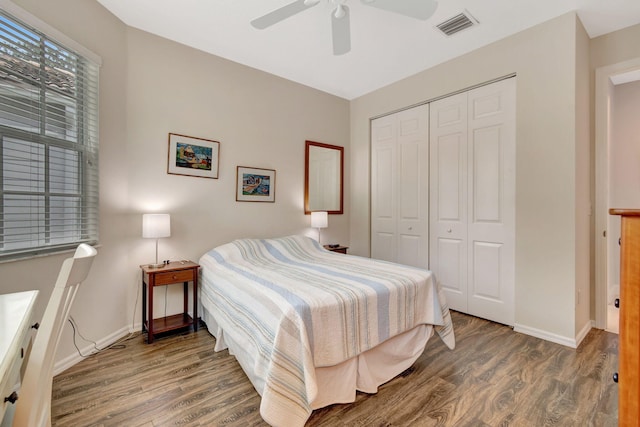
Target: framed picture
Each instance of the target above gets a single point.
(255, 185)
(193, 156)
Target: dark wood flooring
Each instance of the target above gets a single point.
(494, 377)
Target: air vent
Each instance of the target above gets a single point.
(457, 23)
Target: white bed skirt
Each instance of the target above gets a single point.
(339, 383)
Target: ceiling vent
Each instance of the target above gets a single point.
(457, 23)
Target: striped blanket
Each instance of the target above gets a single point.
(299, 306)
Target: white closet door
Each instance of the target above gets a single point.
(400, 187)
(491, 201)
(448, 197)
(472, 196)
(384, 172)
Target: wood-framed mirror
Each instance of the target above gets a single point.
(323, 177)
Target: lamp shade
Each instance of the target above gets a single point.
(156, 225)
(319, 219)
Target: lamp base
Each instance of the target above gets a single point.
(156, 265)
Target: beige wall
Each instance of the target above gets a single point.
(615, 47)
(260, 120)
(149, 87)
(544, 59)
(584, 218)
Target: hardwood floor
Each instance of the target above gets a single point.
(494, 377)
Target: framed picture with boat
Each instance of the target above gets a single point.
(255, 185)
(193, 156)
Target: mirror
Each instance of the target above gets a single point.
(323, 175)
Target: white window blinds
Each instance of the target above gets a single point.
(48, 143)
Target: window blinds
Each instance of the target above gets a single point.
(48, 143)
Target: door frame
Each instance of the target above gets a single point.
(603, 93)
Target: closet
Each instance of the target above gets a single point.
(472, 197)
(457, 185)
(400, 187)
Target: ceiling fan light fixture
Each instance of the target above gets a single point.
(341, 30)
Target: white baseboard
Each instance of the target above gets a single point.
(67, 362)
(558, 339)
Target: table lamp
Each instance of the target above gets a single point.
(319, 219)
(156, 226)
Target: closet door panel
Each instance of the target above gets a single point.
(487, 171)
(472, 196)
(449, 159)
(450, 266)
(410, 250)
(448, 182)
(491, 202)
(400, 187)
(383, 195)
(409, 227)
(413, 188)
(486, 271)
(385, 246)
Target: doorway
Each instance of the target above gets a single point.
(610, 187)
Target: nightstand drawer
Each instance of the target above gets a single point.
(174, 277)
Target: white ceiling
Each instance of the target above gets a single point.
(385, 47)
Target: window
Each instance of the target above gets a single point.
(48, 143)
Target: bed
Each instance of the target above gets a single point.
(310, 327)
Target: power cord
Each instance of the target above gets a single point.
(135, 307)
(114, 346)
(118, 343)
(76, 331)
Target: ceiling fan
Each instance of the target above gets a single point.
(340, 16)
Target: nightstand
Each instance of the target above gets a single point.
(339, 249)
(172, 273)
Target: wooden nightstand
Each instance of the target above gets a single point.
(174, 272)
(339, 249)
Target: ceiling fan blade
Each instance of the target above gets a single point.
(281, 14)
(419, 9)
(341, 32)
